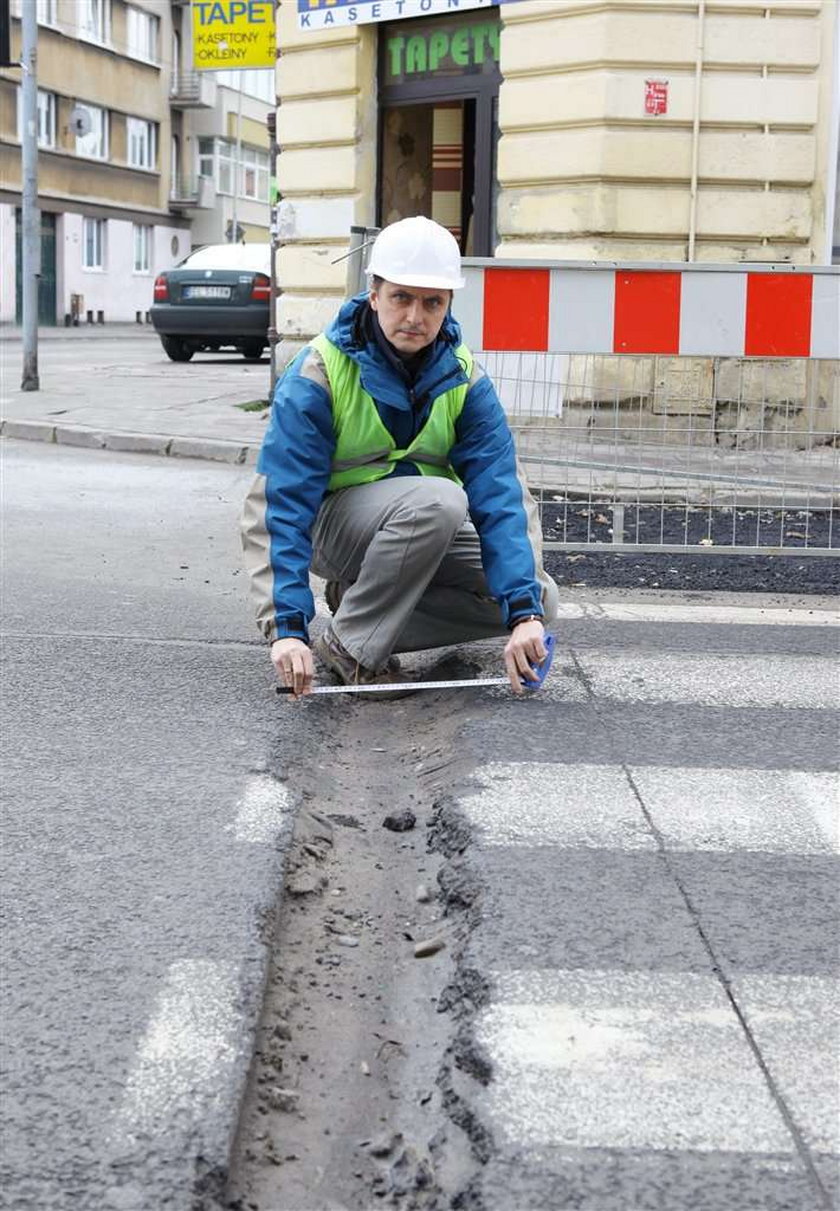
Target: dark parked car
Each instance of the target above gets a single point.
(217, 298)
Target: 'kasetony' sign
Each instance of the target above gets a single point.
(327, 14)
(233, 33)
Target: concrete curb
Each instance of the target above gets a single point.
(206, 448)
(12, 335)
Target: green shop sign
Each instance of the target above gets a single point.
(442, 51)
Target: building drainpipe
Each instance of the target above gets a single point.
(695, 133)
(833, 147)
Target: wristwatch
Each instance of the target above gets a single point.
(525, 618)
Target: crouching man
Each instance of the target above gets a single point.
(389, 469)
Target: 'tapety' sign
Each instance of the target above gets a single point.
(233, 33)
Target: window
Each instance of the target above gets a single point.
(207, 158)
(141, 139)
(46, 117)
(142, 248)
(254, 174)
(94, 145)
(142, 31)
(253, 81)
(46, 12)
(94, 19)
(226, 154)
(217, 158)
(93, 243)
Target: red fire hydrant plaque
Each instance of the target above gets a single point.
(656, 97)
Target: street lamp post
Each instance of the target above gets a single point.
(30, 215)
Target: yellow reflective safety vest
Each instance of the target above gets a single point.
(365, 450)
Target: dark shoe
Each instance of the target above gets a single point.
(348, 670)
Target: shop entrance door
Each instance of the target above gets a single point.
(428, 166)
(438, 130)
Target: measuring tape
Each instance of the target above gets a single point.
(389, 687)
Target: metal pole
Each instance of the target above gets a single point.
(30, 215)
(695, 131)
(274, 236)
(236, 170)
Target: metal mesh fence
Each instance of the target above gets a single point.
(678, 453)
(653, 453)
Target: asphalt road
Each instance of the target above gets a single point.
(143, 829)
(641, 862)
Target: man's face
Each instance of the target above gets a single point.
(410, 318)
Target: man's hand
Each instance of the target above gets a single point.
(524, 649)
(294, 664)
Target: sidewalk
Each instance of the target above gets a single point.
(10, 334)
(111, 387)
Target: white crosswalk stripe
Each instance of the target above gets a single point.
(792, 682)
(787, 811)
(578, 1059)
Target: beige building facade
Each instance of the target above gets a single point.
(630, 130)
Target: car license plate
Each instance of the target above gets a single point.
(207, 292)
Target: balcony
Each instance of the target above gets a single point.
(192, 193)
(192, 90)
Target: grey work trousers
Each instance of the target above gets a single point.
(409, 561)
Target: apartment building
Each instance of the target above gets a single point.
(644, 130)
(141, 158)
(229, 128)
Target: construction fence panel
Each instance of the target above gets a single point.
(664, 407)
(673, 408)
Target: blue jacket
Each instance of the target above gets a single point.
(295, 460)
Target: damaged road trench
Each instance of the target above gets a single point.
(351, 1100)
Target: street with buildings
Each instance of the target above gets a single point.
(461, 951)
(623, 892)
(136, 154)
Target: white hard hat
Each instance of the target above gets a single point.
(417, 252)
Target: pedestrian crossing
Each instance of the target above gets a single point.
(659, 930)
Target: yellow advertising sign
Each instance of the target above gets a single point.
(233, 33)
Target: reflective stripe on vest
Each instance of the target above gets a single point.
(365, 450)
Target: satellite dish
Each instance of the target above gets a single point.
(80, 121)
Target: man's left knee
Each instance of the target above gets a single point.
(444, 499)
(449, 496)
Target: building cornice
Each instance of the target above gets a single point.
(97, 210)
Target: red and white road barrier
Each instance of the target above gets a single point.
(719, 311)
